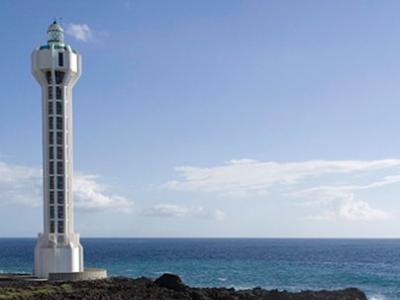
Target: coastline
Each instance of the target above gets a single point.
(166, 287)
(269, 263)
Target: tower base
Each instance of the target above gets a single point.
(87, 274)
(54, 257)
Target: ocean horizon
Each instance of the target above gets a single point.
(293, 264)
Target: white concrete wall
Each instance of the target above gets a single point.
(53, 255)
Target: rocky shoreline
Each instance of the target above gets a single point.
(166, 287)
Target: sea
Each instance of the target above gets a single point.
(373, 265)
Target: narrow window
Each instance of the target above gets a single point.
(60, 59)
(51, 197)
(51, 152)
(59, 93)
(60, 153)
(51, 168)
(60, 212)
(59, 138)
(59, 123)
(50, 108)
(51, 182)
(60, 182)
(60, 228)
(50, 92)
(59, 108)
(50, 122)
(51, 137)
(60, 168)
(48, 77)
(59, 77)
(52, 226)
(51, 212)
(60, 197)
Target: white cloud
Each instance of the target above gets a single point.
(249, 177)
(90, 195)
(173, 210)
(81, 32)
(345, 188)
(361, 210)
(347, 208)
(21, 185)
(341, 202)
(219, 215)
(167, 210)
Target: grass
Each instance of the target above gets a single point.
(28, 291)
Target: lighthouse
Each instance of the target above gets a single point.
(57, 67)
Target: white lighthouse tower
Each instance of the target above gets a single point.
(57, 67)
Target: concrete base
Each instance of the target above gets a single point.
(54, 257)
(88, 274)
(7, 278)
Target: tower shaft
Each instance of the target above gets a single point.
(57, 67)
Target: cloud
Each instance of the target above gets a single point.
(250, 177)
(90, 195)
(173, 210)
(360, 210)
(345, 207)
(387, 180)
(21, 185)
(247, 177)
(341, 202)
(81, 32)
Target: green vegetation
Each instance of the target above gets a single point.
(67, 288)
(29, 291)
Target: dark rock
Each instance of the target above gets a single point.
(167, 287)
(199, 295)
(170, 281)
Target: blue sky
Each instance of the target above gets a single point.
(212, 118)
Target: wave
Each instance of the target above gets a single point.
(376, 297)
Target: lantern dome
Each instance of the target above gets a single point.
(55, 34)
